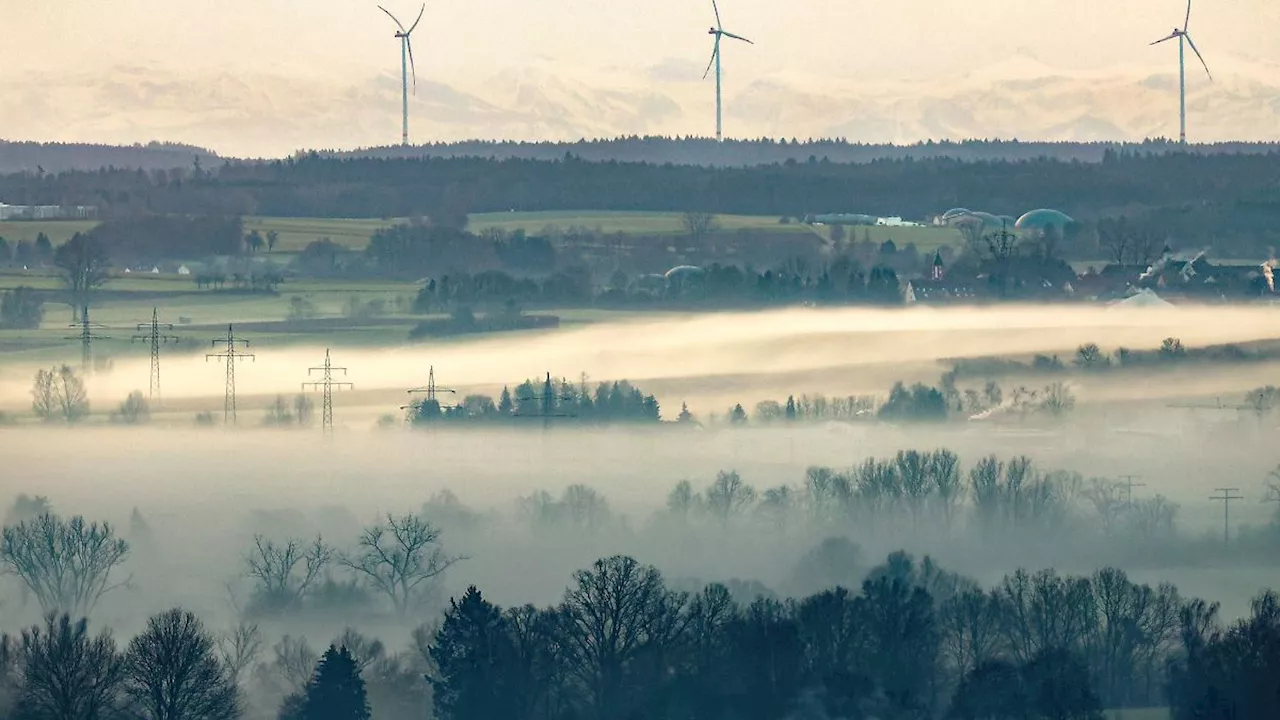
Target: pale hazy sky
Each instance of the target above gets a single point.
(924, 43)
(346, 37)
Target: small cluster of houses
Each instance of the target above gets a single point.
(1189, 276)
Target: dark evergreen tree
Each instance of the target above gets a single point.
(336, 691)
(472, 653)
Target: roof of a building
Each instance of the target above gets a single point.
(1043, 218)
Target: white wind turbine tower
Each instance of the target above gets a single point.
(406, 66)
(1184, 39)
(718, 31)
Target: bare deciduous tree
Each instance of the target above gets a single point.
(614, 613)
(399, 558)
(83, 261)
(59, 394)
(9, 675)
(293, 663)
(66, 674)
(172, 672)
(698, 224)
(239, 650)
(284, 572)
(66, 564)
(728, 496)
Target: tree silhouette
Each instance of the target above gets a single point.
(66, 564)
(66, 674)
(172, 672)
(472, 652)
(336, 691)
(83, 261)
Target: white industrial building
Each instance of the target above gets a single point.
(45, 212)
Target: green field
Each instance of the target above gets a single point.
(15, 231)
(295, 233)
(354, 233)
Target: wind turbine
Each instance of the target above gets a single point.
(719, 32)
(406, 65)
(1184, 38)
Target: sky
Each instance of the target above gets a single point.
(248, 76)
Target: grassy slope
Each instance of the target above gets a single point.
(59, 231)
(295, 233)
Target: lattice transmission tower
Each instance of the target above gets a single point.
(547, 404)
(86, 338)
(231, 353)
(326, 384)
(155, 335)
(428, 408)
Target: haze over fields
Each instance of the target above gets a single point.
(247, 79)
(710, 360)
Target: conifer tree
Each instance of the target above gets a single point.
(471, 652)
(336, 691)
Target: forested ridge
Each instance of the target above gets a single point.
(314, 186)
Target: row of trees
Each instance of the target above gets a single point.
(616, 402)
(914, 641)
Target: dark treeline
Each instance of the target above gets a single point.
(1162, 186)
(913, 641)
(765, 151)
(53, 157)
(904, 638)
(615, 402)
(57, 157)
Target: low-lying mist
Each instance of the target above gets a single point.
(704, 359)
(205, 494)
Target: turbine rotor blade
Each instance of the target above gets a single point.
(1187, 23)
(1165, 39)
(393, 17)
(735, 37)
(412, 67)
(415, 22)
(1197, 52)
(717, 10)
(712, 62)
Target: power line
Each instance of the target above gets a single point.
(326, 384)
(1129, 485)
(86, 338)
(431, 403)
(1226, 497)
(155, 337)
(548, 401)
(231, 354)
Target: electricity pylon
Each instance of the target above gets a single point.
(431, 401)
(547, 401)
(86, 338)
(155, 336)
(326, 384)
(231, 354)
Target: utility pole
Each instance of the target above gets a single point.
(1129, 485)
(155, 337)
(326, 384)
(1226, 497)
(86, 338)
(431, 403)
(231, 353)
